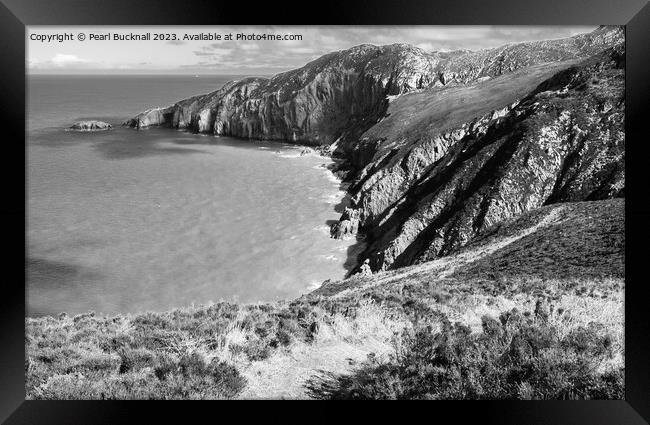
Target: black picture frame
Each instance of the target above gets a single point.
(15, 15)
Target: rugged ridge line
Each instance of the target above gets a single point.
(344, 93)
(310, 105)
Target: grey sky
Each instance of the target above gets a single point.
(252, 57)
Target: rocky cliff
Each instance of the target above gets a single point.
(564, 141)
(310, 105)
(438, 147)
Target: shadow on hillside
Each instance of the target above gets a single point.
(588, 243)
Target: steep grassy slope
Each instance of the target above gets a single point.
(579, 240)
(272, 350)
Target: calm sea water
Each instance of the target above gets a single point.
(130, 221)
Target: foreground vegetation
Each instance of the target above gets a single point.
(428, 331)
(520, 356)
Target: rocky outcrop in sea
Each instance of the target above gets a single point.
(92, 125)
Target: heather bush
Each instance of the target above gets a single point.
(567, 346)
(282, 338)
(102, 376)
(518, 356)
(135, 359)
(257, 349)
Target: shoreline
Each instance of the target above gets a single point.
(277, 349)
(338, 196)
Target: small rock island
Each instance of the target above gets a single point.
(92, 125)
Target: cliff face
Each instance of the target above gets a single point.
(562, 142)
(439, 146)
(312, 105)
(419, 129)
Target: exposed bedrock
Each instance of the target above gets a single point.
(348, 225)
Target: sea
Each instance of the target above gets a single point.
(127, 221)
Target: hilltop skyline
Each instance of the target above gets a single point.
(261, 57)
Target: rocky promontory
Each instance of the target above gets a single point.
(339, 95)
(439, 146)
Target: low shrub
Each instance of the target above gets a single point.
(95, 363)
(135, 359)
(257, 349)
(282, 338)
(519, 356)
(165, 365)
